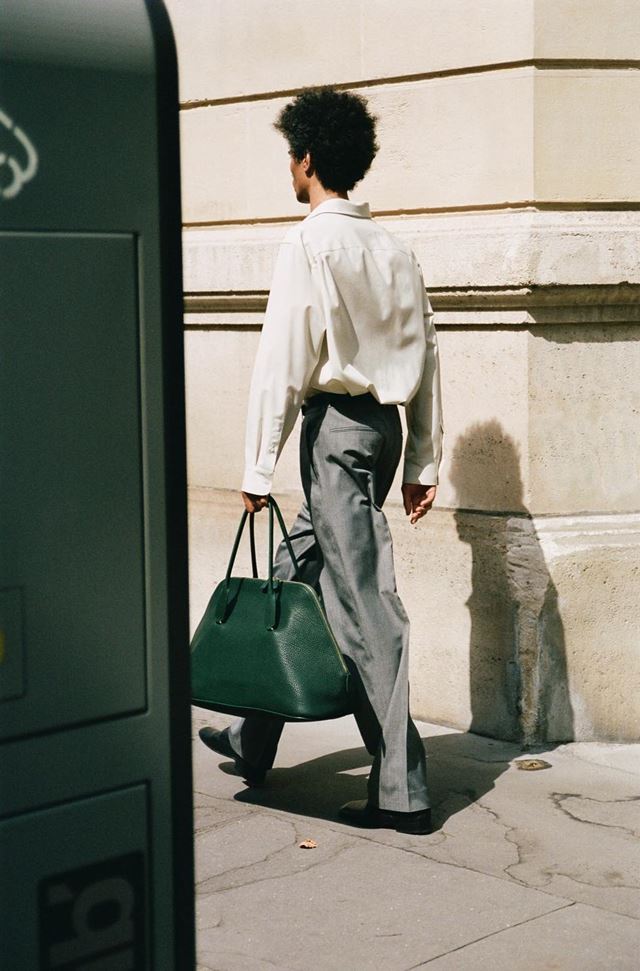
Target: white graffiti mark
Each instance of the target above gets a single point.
(20, 174)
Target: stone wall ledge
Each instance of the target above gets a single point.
(584, 530)
(559, 535)
(454, 306)
(511, 250)
(537, 63)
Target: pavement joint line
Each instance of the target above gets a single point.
(486, 937)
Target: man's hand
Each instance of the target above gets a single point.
(418, 500)
(254, 503)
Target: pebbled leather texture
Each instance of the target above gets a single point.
(240, 665)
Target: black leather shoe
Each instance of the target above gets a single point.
(360, 813)
(219, 742)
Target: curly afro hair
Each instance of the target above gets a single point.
(337, 130)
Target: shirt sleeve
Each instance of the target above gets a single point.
(288, 352)
(424, 414)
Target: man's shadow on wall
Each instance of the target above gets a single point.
(517, 658)
(517, 664)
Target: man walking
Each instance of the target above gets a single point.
(348, 336)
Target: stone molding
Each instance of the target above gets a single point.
(558, 534)
(455, 307)
(562, 535)
(538, 63)
(512, 268)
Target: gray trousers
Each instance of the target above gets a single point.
(349, 451)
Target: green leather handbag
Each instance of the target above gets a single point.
(265, 645)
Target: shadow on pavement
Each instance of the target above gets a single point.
(461, 768)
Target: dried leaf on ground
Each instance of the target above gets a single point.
(532, 765)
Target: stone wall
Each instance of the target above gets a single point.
(510, 138)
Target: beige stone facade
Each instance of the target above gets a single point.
(510, 140)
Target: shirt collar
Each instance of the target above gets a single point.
(344, 206)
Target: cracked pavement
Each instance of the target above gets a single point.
(525, 870)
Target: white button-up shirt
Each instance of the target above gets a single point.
(347, 313)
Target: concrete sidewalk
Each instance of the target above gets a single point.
(526, 870)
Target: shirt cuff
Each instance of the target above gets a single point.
(425, 475)
(255, 483)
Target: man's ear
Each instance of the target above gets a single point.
(307, 161)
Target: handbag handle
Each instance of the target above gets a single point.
(274, 507)
(273, 584)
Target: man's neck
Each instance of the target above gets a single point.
(318, 194)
